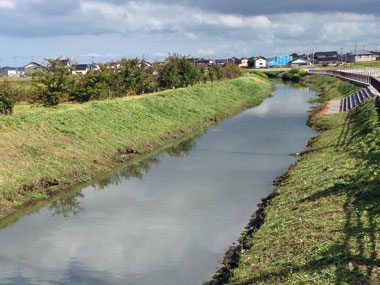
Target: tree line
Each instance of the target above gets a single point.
(56, 83)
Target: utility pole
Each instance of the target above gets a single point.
(16, 64)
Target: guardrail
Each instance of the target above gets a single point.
(358, 77)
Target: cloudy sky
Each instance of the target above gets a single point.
(106, 30)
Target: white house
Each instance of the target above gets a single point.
(299, 62)
(10, 72)
(260, 62)
(361, 56)
(84, 68)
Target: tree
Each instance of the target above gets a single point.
(251, 61)
(215, 72)
(231, 70)
(52, 82)
(7, 98)
(84, 87)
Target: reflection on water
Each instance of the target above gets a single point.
(67, 206)
(167, 218)
(70, 204)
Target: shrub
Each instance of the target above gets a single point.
(294, 74)
(231, 70)
(84, 87)
(7, 98)
(215, 72)
(52, 82)
(347, 88)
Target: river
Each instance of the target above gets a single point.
(167, 219)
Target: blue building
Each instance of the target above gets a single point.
(280, 60)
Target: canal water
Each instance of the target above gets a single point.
(167, 219)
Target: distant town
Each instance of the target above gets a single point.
(324, 58)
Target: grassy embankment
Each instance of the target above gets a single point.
(363, 64)
(45, 150)
(323, 224)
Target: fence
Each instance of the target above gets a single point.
(367, 79)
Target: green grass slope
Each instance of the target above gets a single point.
(323, 227)
(44, 150)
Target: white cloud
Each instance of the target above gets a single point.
(205, 52)
(7, 4)
(143, 27)
(160, 54)
(92, 54)
(191, 36)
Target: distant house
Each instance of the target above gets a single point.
(9, 71)
(361, 56)
(260, 62)
(220, 62)
(232, 60)
(280, 60)
(84, 68)
(65, 62)
(243, 63)
(32, 67)
(200, 61)
(299, 62)
(330, 57)
(113, 65)
(377, 53)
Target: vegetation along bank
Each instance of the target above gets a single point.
(45, 150)
(321, 225)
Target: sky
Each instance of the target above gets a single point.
(100, 30)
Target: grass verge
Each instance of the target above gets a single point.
(47, 150)
(322, 224)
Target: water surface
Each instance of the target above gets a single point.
(167, 219)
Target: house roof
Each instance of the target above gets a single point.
(300, 60)
(82, 67)
(325, 53)
(11, 68)
(361, 52)
(33, 63)
(64, 61)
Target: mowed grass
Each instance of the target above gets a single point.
(363, 64)
(323, 227)
(44, 150)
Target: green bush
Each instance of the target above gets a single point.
(330, 87)
(347, 88)
(215, 72)
(7, 98)
(84, 87)
(52, 82)
(294, 74)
